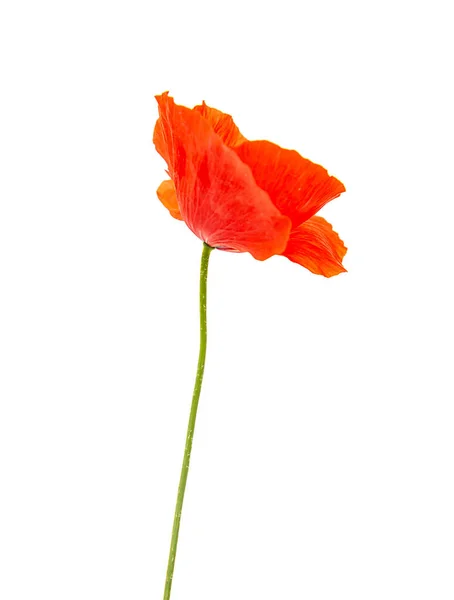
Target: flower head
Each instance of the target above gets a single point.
(245, 196)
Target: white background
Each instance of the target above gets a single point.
(324, 452)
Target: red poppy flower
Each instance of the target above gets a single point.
(245, 196)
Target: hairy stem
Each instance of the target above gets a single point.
(192, 419)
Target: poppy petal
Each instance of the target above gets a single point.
(217, 195)
(317, 247)
(298, 187)
(222, 124)
(167, 194)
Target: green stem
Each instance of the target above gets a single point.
(192, 418)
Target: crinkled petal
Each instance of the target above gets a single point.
(317, 247)
(222, 124)
(298, 187)
(168, 196)
(217, 195)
